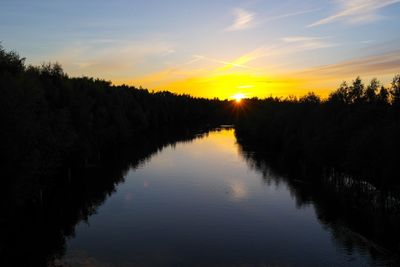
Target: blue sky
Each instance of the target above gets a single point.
(211, 48)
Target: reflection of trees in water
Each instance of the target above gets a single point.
(359, 216)
(34, 228)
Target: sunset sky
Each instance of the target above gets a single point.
(210, 48)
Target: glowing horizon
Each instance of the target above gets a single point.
(209, 49)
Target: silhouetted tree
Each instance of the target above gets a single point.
(356, 91)
(383, 96)
(10, 61)
(341, 95)
(310, 98)
(370, 92)
(395, 90)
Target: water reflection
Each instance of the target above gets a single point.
(202, 201)
(360, 217)
(34, 233)
(238, 190)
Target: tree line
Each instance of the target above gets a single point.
(355, 130)
(47, 116)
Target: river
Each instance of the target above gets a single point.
(201, 202)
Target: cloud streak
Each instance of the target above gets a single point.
(227, 64)
(111, 59)
(243, 20)
(308, 43)
(288, 15)
(386, 63)
(356, 11)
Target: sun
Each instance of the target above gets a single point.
(238, 97)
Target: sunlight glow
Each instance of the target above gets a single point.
(238, 97)
(226, 85)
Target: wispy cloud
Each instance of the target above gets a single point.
(227, 64)
(287, 15)
(243, 20)
(386, 63)
(306, 42)
(356, 11)
(111, 59)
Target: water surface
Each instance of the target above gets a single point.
(200, 203)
